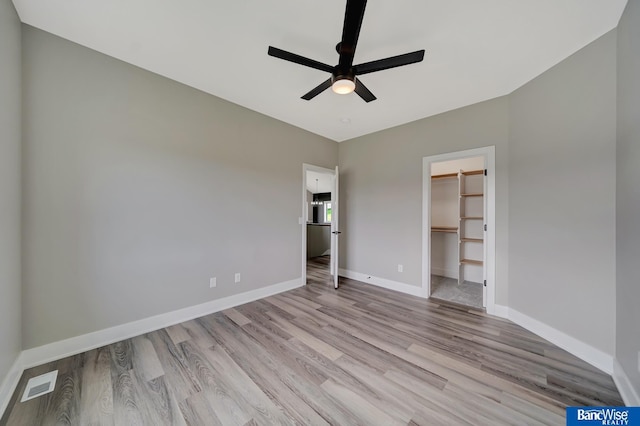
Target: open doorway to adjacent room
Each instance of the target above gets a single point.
(318, 244)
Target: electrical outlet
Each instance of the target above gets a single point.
(400, 268)
(212, 282)
(237, 277)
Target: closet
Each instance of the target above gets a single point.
(457, 231)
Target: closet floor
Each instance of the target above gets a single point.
(467, 293)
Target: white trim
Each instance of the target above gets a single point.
(75, 345)
(383, 282)
(335, 228)
(10, 383)
(500, 311)
(489, 154)
(582, 350)
(628, 393)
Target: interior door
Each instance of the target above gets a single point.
(335, 231)
(484, 236)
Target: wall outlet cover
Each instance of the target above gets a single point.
(237, 277)
(212, 282)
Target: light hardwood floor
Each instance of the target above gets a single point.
(314, 355)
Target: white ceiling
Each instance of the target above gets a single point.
(475, 50)
(324, 182)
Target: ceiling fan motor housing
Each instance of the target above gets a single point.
(339, 74)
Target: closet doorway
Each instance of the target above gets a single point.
(459, 200)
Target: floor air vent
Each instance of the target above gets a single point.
(40, 385)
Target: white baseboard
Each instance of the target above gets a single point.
(72, 346)
(629, 394)
(576, 347)
(383, 282)
(10, 382)
(584, 351)
(498, 311)
(75, 345)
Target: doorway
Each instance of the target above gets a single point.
(319, 220)
(459, 231)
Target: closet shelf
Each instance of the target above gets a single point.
(445, 176)
(452, 175)
(471, 240)
(471, 218)
(479, 194)
(471, 262)
(472, 172)
(451, 229)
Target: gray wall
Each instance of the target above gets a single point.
(555, 146)
(628, 194)
(138, 189)
(562, 171)
(10, 137)
(381, 190)
(318, 240)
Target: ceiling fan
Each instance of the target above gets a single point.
(343, 76)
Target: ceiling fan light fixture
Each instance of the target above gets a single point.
(343, 86)
(343, 75)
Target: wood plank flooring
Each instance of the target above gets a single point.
(317, 356)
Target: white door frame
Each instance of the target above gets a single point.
(490, 220)
(335, 229)
(305, 213)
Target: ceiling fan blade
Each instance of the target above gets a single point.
(353, 15)
(317, 90)
(392, 62)
(363, 92)
(292, 57)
